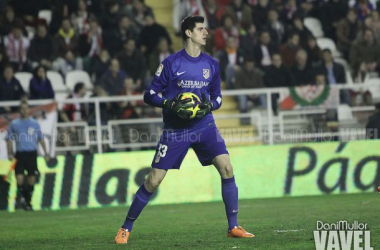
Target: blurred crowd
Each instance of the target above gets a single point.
(259, 43)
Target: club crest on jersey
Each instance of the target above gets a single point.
(206, 73)
(159, 69)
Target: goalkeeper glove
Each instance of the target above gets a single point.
(205, 107)
(178, 106)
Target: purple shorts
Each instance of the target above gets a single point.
(174, 144)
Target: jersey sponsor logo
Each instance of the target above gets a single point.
(206, 73)
(31, 131)
(180, 73)
(192, 84)
(159, 69)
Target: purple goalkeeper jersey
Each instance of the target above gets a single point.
(181, 73)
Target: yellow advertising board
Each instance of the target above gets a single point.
(261, 171)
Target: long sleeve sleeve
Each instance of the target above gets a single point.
(215, 88)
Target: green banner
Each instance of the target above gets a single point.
(260, 171)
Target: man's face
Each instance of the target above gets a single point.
(368, 36)
(124, 23)
(249, 66)
(17, 33)
(351, 16)
(327, 56)
(82, 92)
(66, 25)
(24, 110)
(114, 67)
(276, 61)
(130, 45)
(41, 31)
(199, 34)
(265, 38)
(295, 40)
(8, 73)
(301, 59)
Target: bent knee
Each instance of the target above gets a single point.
(227, 171)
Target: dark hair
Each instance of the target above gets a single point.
(188, 23)
(35, 72)
(79, 86)
(8, 65)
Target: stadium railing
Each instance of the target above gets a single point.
(263, 127)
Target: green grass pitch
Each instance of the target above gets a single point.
(279, 223)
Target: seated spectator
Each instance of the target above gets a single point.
(260, 13)
(7, 21)
(302, 74)
(334, 72)
(130, 109)
(263, 50)
(240, 12)
(132, 62)
(16, 46)
(346, 31)
(114, 39)
(139, 11)
(41, 51)
(364, 49)
(65, 40)
(214, 13)
(150, 35)
(365, 72)
(372, 22)
(313, 52)
(275, 28)
(159, 54)
(111, 16)
(184, 8)
(248, 38)
(90, 44)
(101, 64)
(10, 89)
(301, 30)
(68, 63)
(249, 77)
(289, 11)
(277, 75)
(289, 50)
(107, 109)
(363, 9)
(228, 29)
(40, 86)
(229, 60)
(3, 59)
(330, 14)
(80, 18)
(113, 80)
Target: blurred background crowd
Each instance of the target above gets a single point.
(119, 44)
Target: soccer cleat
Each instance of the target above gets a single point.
(239, 232)
(122, 236)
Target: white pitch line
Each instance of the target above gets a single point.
(290, 230)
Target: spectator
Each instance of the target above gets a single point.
(228, 29)
(314, 53)
(91, 42)
(3, 59)
(101, 63)
(346, 31)
(110, 19)
(248, 38)
(301, 30)
(365, 72)
(277, 75)
(249, 77)
(80, 18)
(68, 63)
(363, 8)
(334, 72)
(373, 23)
(7, 21)
(214, 13)
(363, 96)
(151, 34)
(114, 39)
(132, 62)
(275, 27)
(331, 13)
(41, 51)
(263, 50)
(106, 108)
(16, 46)
(10, 88)
(373, 125)
(40, 86)
(65, 40)
(365, 49)
(139, 11)
(302, 74)
(289, 11)
(260, 13)
(184, 8)
(28, 10)
(229, 60)
(130, 109)
(240, 12)
(159, 54)
(113, 80)
(289, 50)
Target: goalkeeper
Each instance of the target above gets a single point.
(188, 70)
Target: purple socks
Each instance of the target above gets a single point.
(230, 199)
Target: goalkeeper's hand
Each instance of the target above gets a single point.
(178, 106)
(205, 107)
